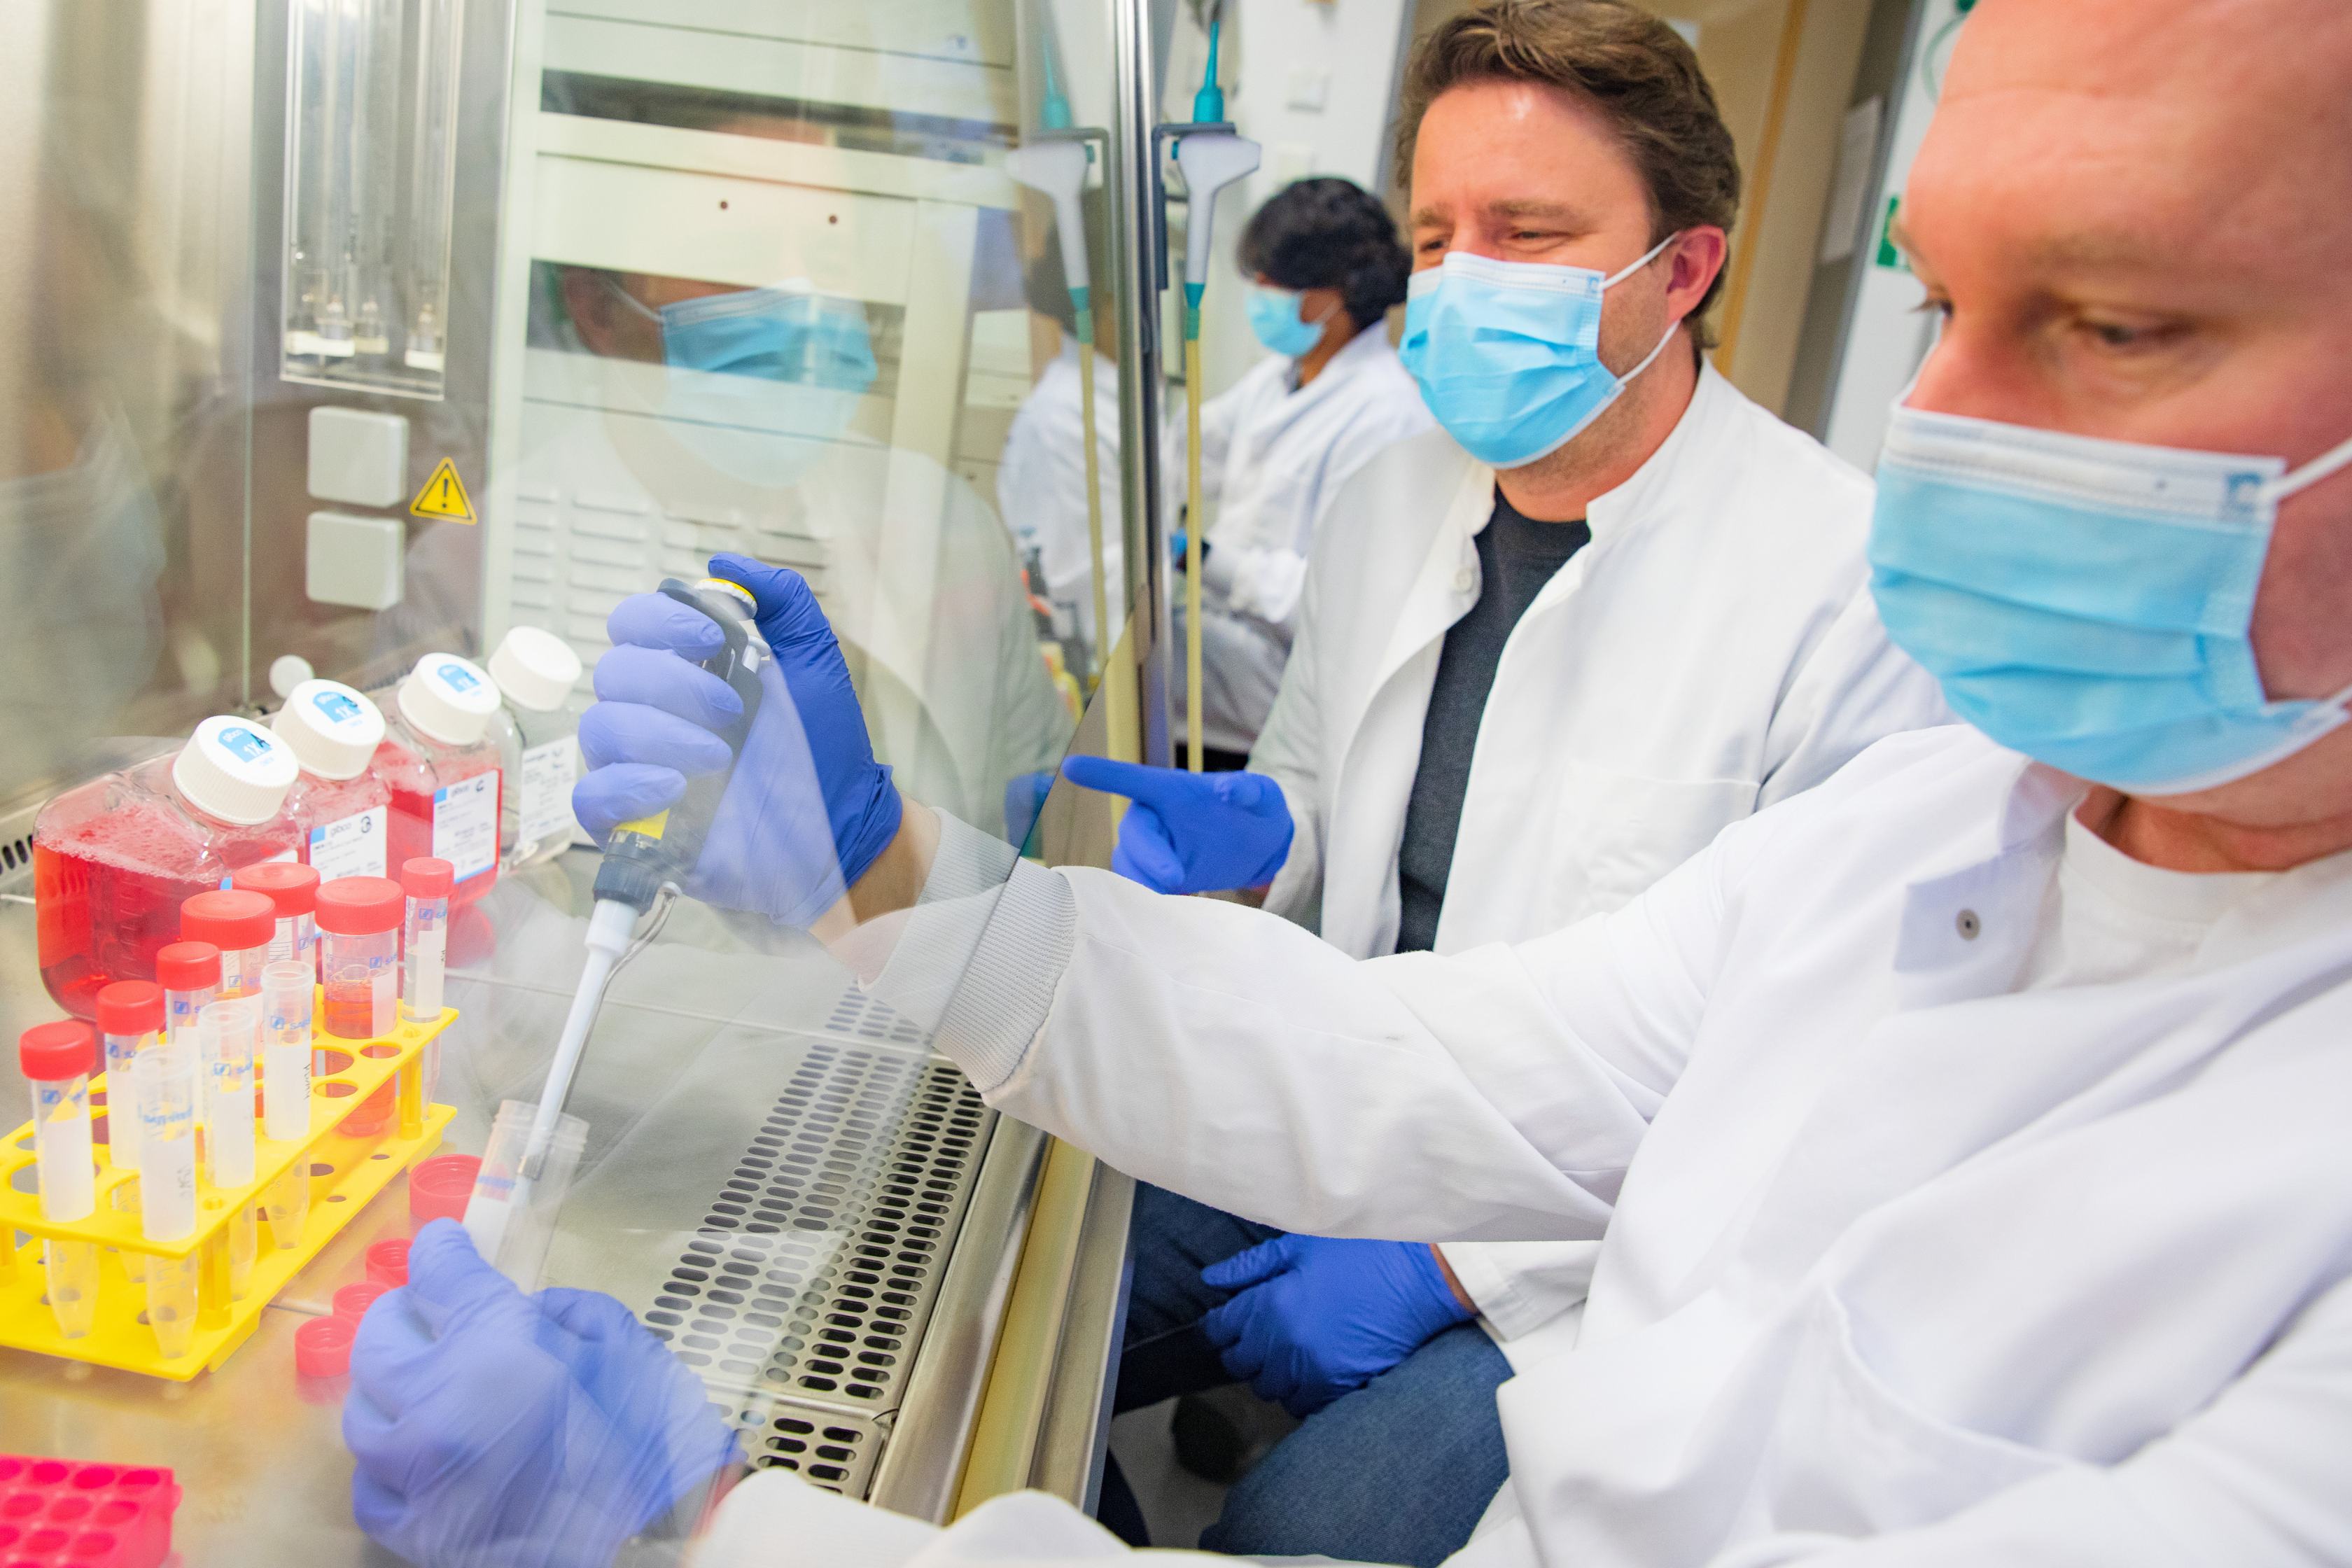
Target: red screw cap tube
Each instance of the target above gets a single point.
(230, 919)
(322, 1347)
(188, 966)
(130, 1007)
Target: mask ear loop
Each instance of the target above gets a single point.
(2303, 478)
(631, 301)
(2310, 474)
(1651, 255)
(1672, 327)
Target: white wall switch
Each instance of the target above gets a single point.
(354, 560)
(359, 458)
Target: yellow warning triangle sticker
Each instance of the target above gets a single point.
(444, 496)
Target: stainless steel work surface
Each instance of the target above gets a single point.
(776, 1174)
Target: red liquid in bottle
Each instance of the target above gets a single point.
(414, 781)
(112, 862)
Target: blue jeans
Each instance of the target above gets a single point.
(1397, 1471)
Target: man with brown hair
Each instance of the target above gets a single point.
(1545, 654)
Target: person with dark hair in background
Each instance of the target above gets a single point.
(1326, 264)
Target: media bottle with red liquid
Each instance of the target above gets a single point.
(114, 859)
(441, 764)
(341, 806)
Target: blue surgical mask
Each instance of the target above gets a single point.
(2087, 602)
(1273, 316)
(762, 379)
(1508, 354)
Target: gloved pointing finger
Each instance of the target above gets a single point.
(1192, 833)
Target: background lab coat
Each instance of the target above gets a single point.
(1902, 1267)
(1272, 458)
(1712, 650)
(913, 592)
(1041, 486)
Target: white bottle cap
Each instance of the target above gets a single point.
(287, 671)
(234, 769)
(331, 730)
(449, 698)
(536, 669)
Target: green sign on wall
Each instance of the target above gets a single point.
(1888, 256)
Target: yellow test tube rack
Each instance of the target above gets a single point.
(353, 1151)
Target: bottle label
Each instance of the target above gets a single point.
(543, 800)
(354, 847)
(465, 824)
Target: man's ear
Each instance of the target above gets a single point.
(590, 305)
(1697, 259)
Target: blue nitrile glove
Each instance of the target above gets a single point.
(491, 1427)
(1315, 1318)
(1176, 552)
(1192, 833)
(808, 808)
(1024, 798)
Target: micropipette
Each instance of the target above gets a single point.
(646, 861)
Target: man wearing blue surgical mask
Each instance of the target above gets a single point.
(1324, 267)
(1545, 654)
(1966, 1136)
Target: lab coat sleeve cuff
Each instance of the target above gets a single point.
(969, 863)
(1296, 891)
(774, 1507)
(1519, 1287)
(1492, 1290)
(1218, 568)
(1000, 1004)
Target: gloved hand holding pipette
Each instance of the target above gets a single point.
(1192, 833)
(808, 809)
(491, 1427)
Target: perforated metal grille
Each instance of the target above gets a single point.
(869, 1019)
(801, 1300)
(17, 851)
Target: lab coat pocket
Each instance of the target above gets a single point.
(1857, 1457)
(1627, 831)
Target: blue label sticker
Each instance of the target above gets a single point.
(459, 678)
(244, 744)
(337, 707)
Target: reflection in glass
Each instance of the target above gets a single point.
(669, 418)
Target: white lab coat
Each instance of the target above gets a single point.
(1272, 457)
(914, 574)
(1041, 488)
(1902, 1267)
(1712, 650)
